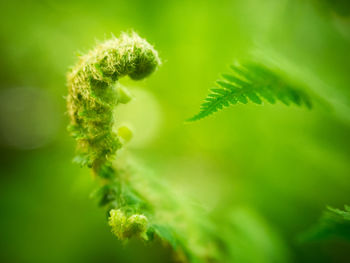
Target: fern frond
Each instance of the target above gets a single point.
(251, 82)
(334, 223)
(93, 95)
(138, 205)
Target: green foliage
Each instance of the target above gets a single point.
(251, 82)
(334, 223)
(282, 162)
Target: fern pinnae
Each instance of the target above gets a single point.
(250, 82)
(333, 224)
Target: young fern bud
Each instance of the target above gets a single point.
(93, 96)
(124, 228)
(117, 221)
(136, 225)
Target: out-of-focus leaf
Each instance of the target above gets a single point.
(334, 223)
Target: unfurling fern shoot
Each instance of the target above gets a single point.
(138, 204)
(93, 94)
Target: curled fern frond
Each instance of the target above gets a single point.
(251, 82)
(93, 94)
(138, 205)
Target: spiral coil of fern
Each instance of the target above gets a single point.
(93, 96)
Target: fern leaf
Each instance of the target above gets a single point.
(250, 82)
(334, 223)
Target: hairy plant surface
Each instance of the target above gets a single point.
(93, 96)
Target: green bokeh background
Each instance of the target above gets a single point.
(276, 166)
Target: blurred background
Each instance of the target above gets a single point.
(278, 167)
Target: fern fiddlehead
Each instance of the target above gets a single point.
(93, 96)
(138, 204)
